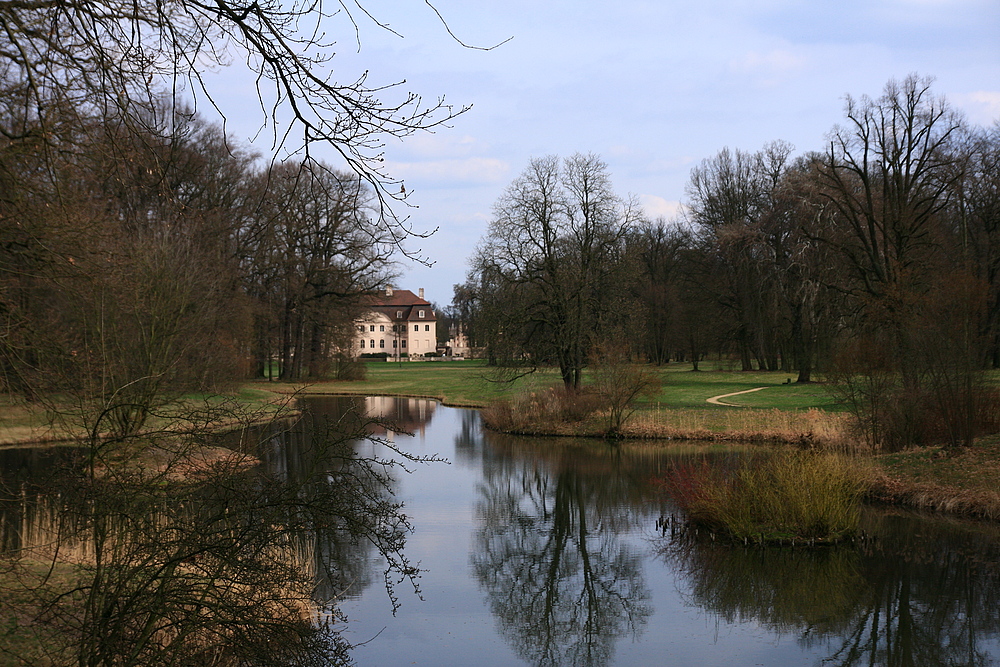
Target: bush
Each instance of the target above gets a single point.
(790, 494)
(349, 368)
(535, 411)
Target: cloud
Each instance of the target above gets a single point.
(981, 107)
(467, 171)
(658, 207)
(442, 145)
(768, 67)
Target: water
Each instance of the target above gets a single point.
(548, 553)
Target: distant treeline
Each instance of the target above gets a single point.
(146, 253)
(875, 260)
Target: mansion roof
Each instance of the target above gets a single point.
(401, 306)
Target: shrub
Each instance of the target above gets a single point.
(533, 411)
(620, 382)
(789, 494)
(349, 368)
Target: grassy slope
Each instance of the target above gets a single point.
(23, 424)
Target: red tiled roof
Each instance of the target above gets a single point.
(402, 301)
(400, 297)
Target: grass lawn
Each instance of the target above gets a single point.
(683, 388)
(22, 423)
(462, 383)
(469, 383)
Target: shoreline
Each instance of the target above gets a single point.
(891, 485)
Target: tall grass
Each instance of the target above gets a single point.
(777, 496)
(812, 428)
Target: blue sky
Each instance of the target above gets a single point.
(652, 87)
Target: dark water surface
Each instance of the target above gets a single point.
(548, 553)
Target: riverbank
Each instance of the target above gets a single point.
(32, 425)
(964, 482)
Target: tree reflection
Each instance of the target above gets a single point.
(921, 594)
(179, 559)
(561, 584)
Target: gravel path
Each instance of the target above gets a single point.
(717, 400)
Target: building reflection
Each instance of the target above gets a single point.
(391, 415)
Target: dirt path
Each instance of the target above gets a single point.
(717, 400)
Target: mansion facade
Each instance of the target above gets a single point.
(397, 323)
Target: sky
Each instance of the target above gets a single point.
(651, 86)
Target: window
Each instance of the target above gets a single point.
(381, 327)
(361, 327)
(403, 344)
(399, 314)
(372, 343)
(381, 343)
(416, 327)
(362, 344)
(394, 343)
(427, 327)
(420, 313)
(372, 327)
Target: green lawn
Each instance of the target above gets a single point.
(683, 388)
(472, 383)
(469, 383)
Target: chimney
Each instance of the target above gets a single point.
(388, 290)
(421, 293)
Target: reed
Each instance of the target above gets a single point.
(812, 428)
(778, 496)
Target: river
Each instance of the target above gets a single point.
(553, 552)
(549, 553)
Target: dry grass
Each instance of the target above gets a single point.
(957, 480)
(553, 411)
(814, 428)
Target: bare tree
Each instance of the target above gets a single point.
(105, 58)
(730, 195)
(557, 242)
(310, 250)
(889, 173)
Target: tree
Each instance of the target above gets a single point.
(550, 265)
(889, 174)
(657, 248)
(977, 213)
(310, 249)
(891, 177)
(66, 62)
(730, 195)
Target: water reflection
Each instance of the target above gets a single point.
(922, 591)
(562, 585)
(566, 566)
(254, 556)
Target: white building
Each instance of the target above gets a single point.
(398, 323)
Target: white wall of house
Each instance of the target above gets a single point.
(377, 333)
